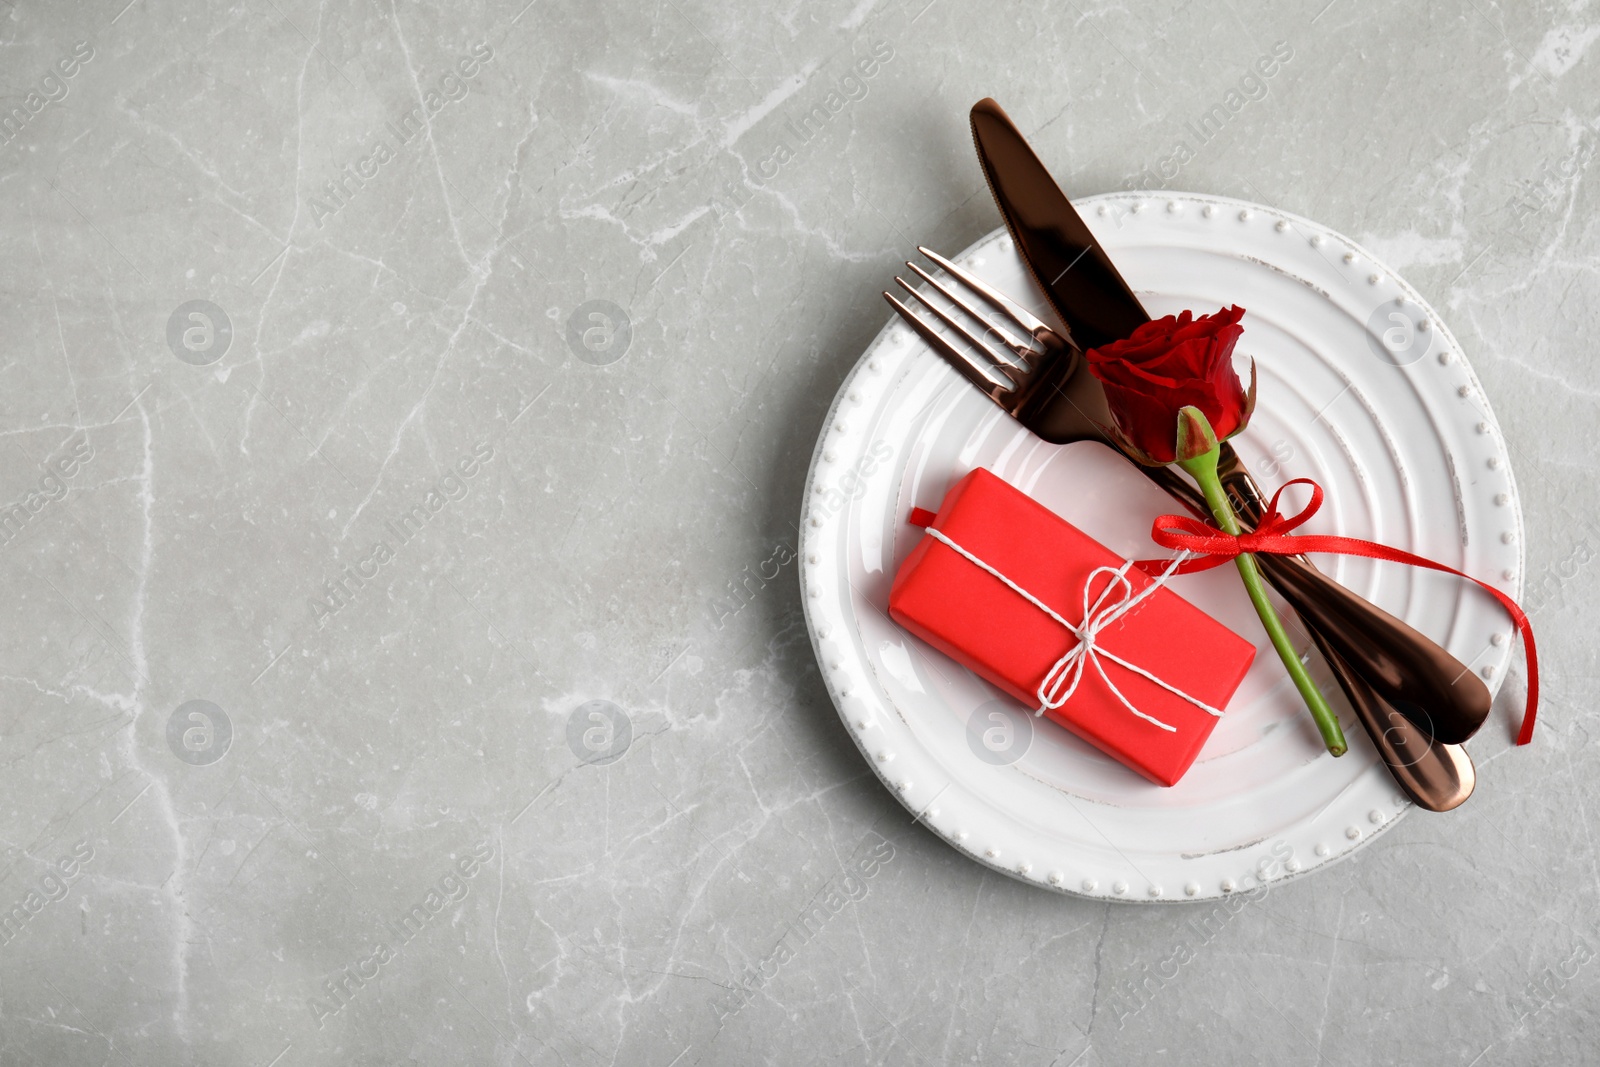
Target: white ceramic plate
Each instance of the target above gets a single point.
(1361, 387)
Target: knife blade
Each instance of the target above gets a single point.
(1077, 276)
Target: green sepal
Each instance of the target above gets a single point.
(1195, 436)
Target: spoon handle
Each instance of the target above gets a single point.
(1436, 776)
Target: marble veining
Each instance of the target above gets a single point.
(408, 410)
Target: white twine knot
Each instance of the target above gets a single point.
(1099, 612)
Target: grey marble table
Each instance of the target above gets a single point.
(405, 410)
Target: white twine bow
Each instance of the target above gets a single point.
(1099, 612)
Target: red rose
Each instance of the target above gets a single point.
(1169, 364)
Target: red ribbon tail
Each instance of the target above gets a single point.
(1526, 733)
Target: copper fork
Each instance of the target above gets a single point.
(1032, 379)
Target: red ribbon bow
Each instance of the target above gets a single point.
(1271, 536)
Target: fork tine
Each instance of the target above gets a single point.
(984, 376)
(997, 300)
(1003, 366)
(1011, 347)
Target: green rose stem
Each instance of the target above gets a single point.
(1203, 468)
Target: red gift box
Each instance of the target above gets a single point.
(970, 613)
